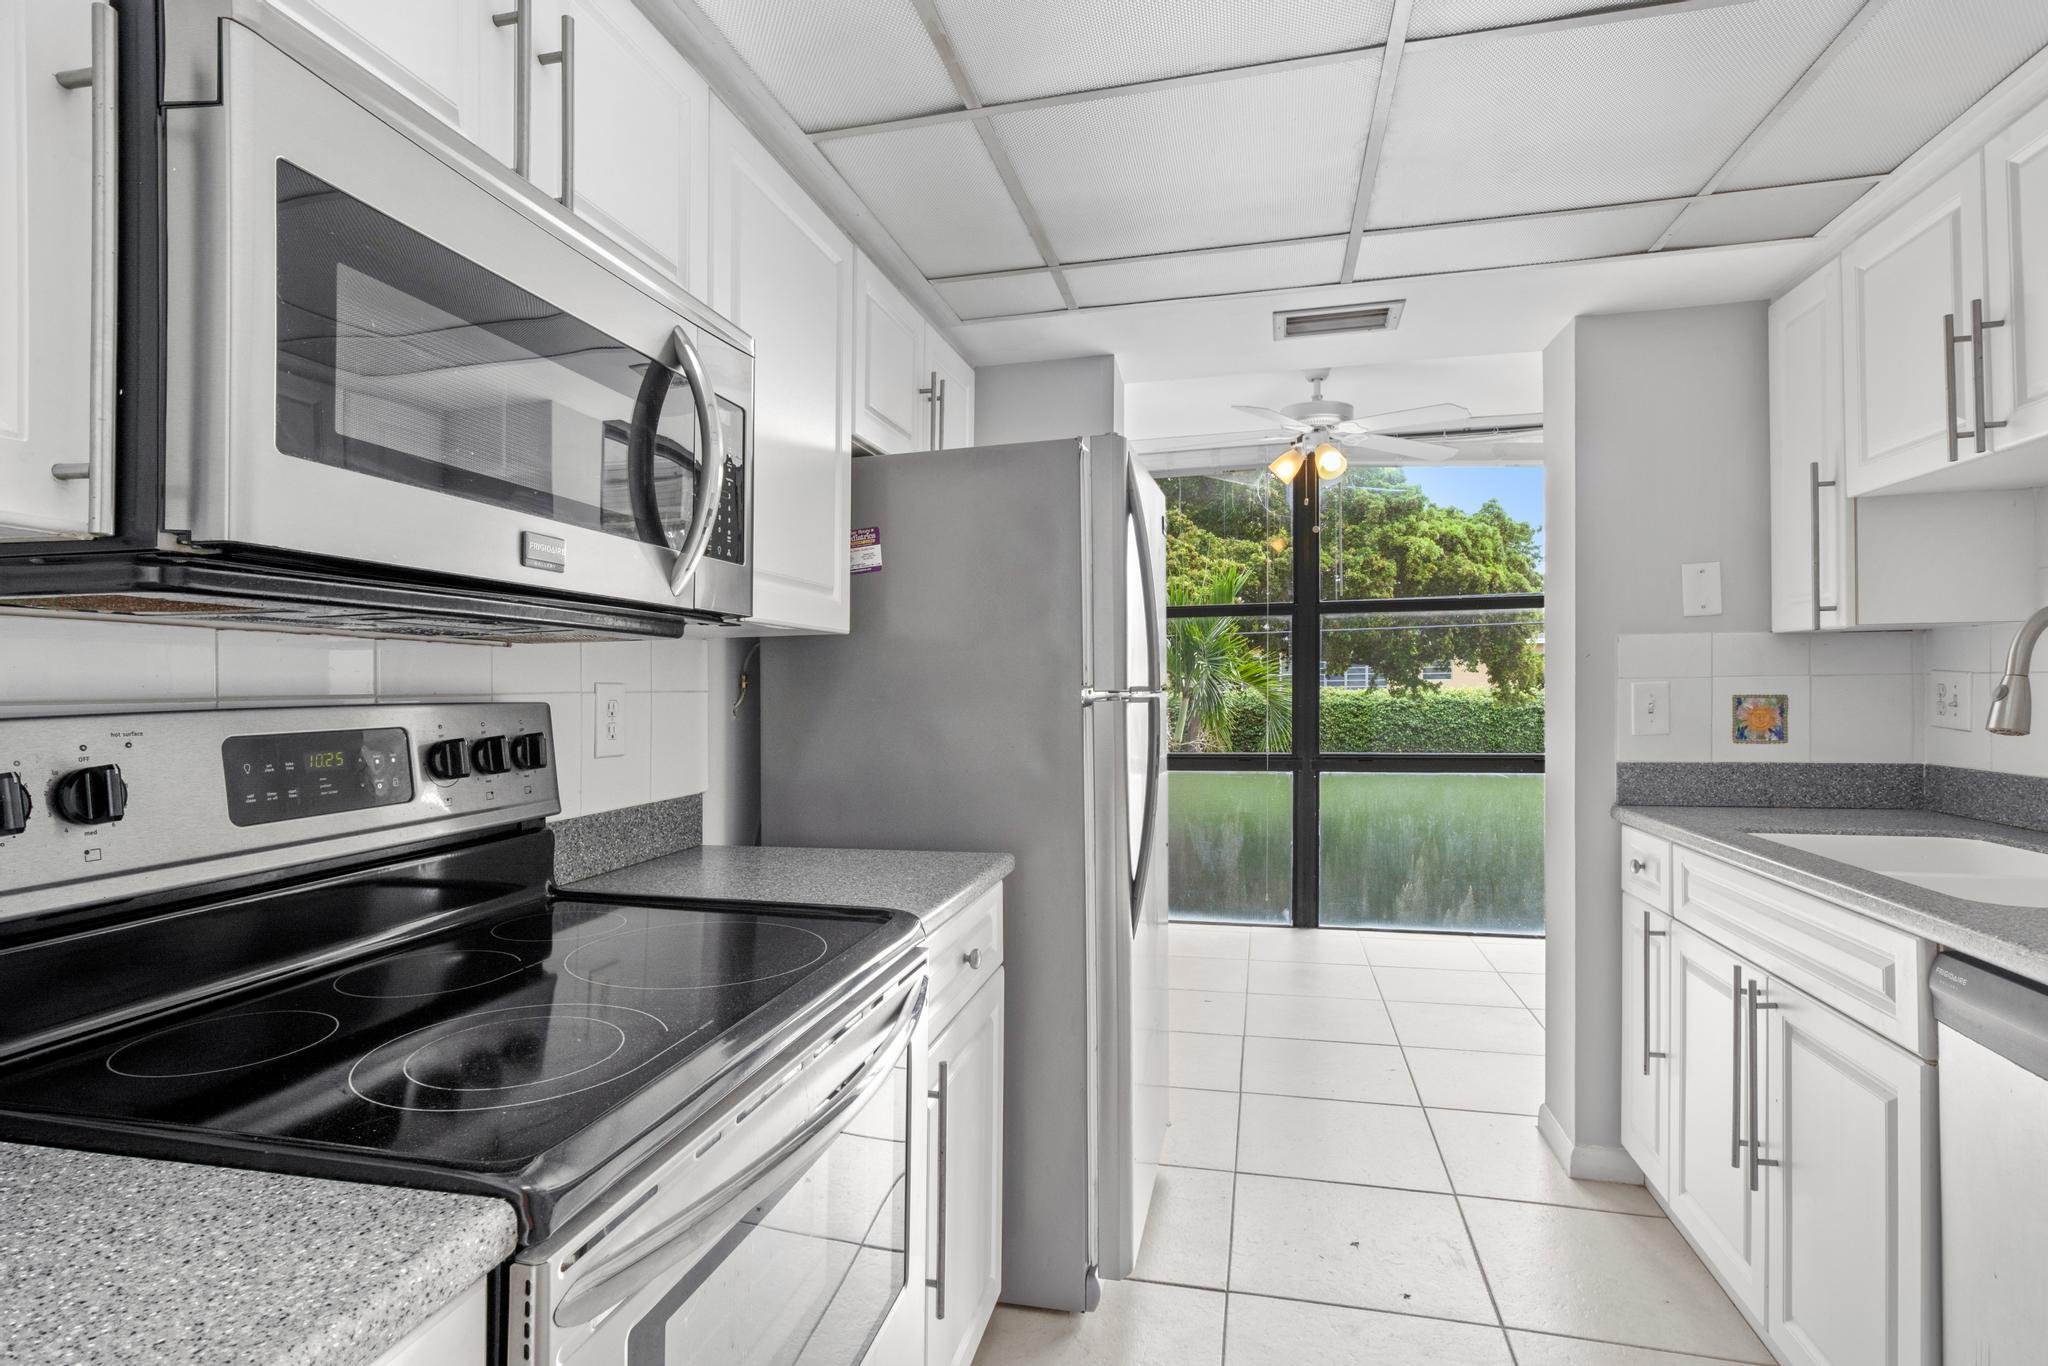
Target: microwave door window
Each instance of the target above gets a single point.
(401, 360)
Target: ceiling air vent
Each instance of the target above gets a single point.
(1322, 322)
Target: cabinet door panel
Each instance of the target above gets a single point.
(783, 272)
(1899, 281)
(971, 1049)
(1708, 1190)
(2016, 224)
(1849, 1124)
(641, 136)
(446, 55)
(891, 414)
(1645, 1038)
(45, 267)
(1809, 509)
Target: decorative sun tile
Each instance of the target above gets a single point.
(1760, 718)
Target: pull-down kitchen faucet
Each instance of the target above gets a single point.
(2012, 701)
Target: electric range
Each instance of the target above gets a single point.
(325, 942)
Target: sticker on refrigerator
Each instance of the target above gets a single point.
(867, 549)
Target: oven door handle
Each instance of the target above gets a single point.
(633, 1266)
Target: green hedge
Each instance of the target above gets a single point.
(1465, 721)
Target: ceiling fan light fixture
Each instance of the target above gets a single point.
(1330, 461)
(1287, 464)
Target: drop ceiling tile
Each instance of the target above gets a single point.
(1764, 215)
(832, 64)
(1582, 235)
(1255, 159)
(1001, 296)
(1909, 72)
(1282, 265)
(1027, 48)
(1433, 18)
(1634, 108)
(938, 193)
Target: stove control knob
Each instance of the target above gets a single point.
(448, 760)
(91, 796)
(488, 754)
(15, 805)
(530, 752)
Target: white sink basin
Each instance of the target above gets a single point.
(1975, 870)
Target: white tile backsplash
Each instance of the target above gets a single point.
(1690, 740)
(1669, 655)
(1739, 653)
(57, 665)
(1862, 718)
(1863, 652)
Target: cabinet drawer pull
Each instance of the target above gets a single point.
(972, 958)
(1636, 865)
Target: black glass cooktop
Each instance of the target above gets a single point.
(483, 1048)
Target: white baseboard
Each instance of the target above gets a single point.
(1585, 1161)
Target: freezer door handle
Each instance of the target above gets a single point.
(1153, 695)
(1090, 696)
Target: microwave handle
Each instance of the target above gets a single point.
(711, 471)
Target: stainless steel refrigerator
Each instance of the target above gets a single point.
(1001, 689)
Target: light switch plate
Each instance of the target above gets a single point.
(608, 720)
(1702, 585)
(1649, 708)
(1948, 700)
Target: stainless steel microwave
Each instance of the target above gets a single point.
(402, 391)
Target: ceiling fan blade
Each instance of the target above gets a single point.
(1434, 415)
(1274, 416)
(1399, 447)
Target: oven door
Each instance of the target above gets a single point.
(785, 1229)
(381, 352)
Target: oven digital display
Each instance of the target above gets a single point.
(288, 777)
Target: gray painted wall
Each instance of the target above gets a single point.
(1047, 400)
(1659, 424)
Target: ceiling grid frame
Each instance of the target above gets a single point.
(1786, 102)
(935, 28)
(1376, 134)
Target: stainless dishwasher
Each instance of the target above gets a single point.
(1992, 1041)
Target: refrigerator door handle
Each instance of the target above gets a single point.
(1153, 694)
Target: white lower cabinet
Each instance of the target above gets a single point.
(1792, 1145)
(1850, 1131)
(965, 1247)
(455, 1336)
(1646, 1038)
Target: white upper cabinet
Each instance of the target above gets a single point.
(47, 394)
(1907, 290)
(949, 382)
(1810, 524)
(786, 274)
(2016, 228)
(891, 413)
(450, 56)
(640, 120)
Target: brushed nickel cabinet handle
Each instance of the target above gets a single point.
(972, 958)
(103, 78)
(1949, 342)
(937, 1282)
(565, 57)
(1636, 865)
(1756, 1003)
(1977, 329)
(1814, 485)
(1648, 935)
(520, 16)
(1735, 1073)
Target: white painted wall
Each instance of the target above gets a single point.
(1491, 386)
(1659, 441)
(1047, 400)
(51, 665)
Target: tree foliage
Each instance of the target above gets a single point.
(1210, 664)
(1380, 537)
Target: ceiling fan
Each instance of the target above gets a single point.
(1330, 425)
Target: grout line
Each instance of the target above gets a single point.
(1466, 1224)
(1374, 1309)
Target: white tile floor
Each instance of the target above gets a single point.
(1354, 1178)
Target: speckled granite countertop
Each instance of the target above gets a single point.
(113, 1261)
(929, 885)
(2011, 937)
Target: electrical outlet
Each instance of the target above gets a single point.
(609, 717)
(1649, 709)
(1949, 699)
